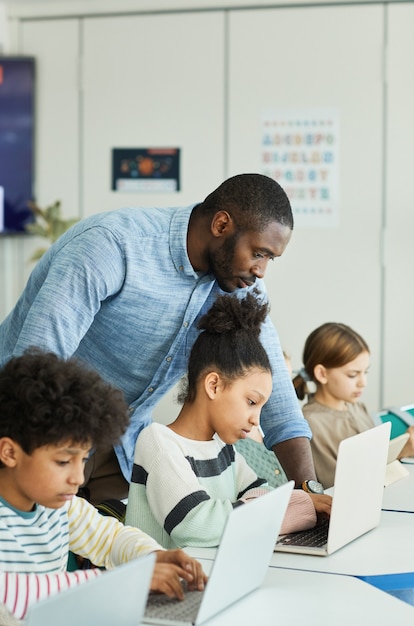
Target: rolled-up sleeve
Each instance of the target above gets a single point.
(281, 417)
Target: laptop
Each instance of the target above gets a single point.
(401, 418)
(395, 469)
(395, 447)
(357, 498)
(240, 565)
(118, 596)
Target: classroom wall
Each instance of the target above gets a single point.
(4, 39)
(112, 75)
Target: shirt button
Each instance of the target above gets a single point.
(168, 359)
(277, 472)
(185, 324)
(181, 268)
(150, 389)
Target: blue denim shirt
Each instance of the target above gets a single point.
(119, 292)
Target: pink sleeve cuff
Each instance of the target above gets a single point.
(300, 514)
(256, 492)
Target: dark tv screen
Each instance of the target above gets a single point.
(17, 88)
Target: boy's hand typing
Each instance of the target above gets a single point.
(171, 567)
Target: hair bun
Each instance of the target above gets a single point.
(231, 314)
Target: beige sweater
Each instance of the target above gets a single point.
(328, 428)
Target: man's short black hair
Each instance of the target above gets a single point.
(253, 201)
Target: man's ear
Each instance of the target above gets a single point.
(320, 374)
(222, 224)
(211, 382)
(9, 451)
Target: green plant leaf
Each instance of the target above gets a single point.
(48, 224)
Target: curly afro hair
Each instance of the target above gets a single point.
(46, 400)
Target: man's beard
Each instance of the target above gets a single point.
(221, 263)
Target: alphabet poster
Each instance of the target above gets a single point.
(300, 150)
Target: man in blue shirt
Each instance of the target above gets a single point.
(123, 291)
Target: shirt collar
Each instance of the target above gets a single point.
(178, 243)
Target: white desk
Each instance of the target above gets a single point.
(295, 598)
(388, 549)
(400, 495)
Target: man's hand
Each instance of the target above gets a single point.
(171, 567)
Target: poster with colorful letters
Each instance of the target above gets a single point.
(300, 149)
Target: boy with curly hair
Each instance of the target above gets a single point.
(53, 412)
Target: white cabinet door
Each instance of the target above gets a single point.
(399, 239)
(153, 81)
(311, 59)
(55, 45)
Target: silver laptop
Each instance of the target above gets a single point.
(395, 447)
(357, 498)
(240, 565)
(118, 596)
(395, 469)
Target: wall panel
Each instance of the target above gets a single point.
(153, 81)
(399, 249)
(319, 58)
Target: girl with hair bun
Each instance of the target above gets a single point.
(187, 476)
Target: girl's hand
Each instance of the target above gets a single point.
(323, 506)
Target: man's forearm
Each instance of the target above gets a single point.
(295, 456)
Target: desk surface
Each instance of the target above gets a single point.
(400, 495)
(387, 549)
(297, 597)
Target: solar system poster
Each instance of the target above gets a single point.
(146, 169)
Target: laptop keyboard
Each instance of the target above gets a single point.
(316, 537)
(159, 606)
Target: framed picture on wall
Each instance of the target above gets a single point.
(146, 169)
